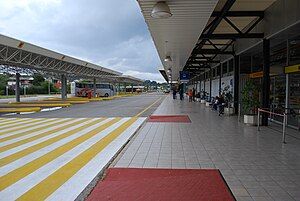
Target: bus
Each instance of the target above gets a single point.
(81, 89)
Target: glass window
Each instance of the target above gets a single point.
(224, 68)
(295, 51)
(231, 65)
(257, 62)
(218, 70)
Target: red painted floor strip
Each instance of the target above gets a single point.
(139, 184)
(170, 118)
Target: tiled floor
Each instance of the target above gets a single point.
(256, 165)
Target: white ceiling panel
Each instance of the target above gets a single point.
(177, 35)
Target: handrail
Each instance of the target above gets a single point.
(284, 115)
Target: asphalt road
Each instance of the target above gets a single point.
(120, 107)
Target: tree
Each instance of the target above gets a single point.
(3, 82)
(38, 79)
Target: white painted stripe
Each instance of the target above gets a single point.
(38, 132)
(30, 157)
(40, 123)
(75, 185)
(28, 182)
(19, 121)
(8, 121)
(29, 144)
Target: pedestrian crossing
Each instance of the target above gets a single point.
(56, 158)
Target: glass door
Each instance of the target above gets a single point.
(294, 100)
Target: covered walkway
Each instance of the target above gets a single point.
(255, 165)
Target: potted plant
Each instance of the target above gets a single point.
(250, 101)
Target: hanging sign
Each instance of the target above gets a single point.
(184, 76)
(292, 69)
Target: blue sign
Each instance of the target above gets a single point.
(184, 75)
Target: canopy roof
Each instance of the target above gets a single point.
(19, 56)
(199, 31)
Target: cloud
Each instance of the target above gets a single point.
(109, 33)
(146, 76)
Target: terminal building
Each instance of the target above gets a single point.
(222, 44)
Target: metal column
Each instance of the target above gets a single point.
(220, 79)
(63, 87)
(17, 87)
(132, 88)
(236, 83)
(204, 92)
(266, 80)
(287, 80)
(210, 82)
(94, 88)
(125, 85)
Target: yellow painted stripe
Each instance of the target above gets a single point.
(46, 187)
(35, 129)
(18, 110)
(12, 123)
(16, 128)
(28, 168)
(147, 108)
(29, 150)
(27, 140)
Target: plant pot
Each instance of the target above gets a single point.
(203, 101)
(229, 111)
(251, 119)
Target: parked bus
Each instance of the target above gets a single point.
(81, 89)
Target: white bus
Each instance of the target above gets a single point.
(82, 89)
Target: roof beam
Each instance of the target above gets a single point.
(205, 62)
(211, 51)
(218, 19)
(240, 14)
(232, 36)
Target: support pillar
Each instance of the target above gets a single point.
(266, 80)
(220, 79)
(125, 85)
(210, 83)
(204, 92)
(132, 88)
(200, 85)
(236, 84)
(17, 87)
(94, 88)
(63, 87)
(287, 79)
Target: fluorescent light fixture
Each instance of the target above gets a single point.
(169, 70)
(168, 58)
(161, 10)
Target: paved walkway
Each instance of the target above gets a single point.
(256, 166)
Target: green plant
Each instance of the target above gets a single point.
(250, 96)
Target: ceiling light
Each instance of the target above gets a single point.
(169, 70)
(168, 58)
(161, 10)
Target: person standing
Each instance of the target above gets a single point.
(181, 93)
(190, 94)
(174, 94)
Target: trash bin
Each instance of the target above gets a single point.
(89, 95)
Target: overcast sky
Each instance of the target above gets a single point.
(110, 33)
